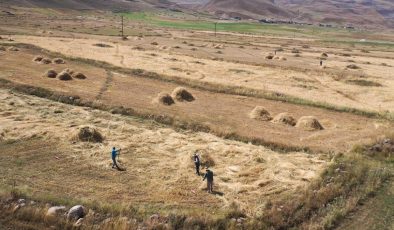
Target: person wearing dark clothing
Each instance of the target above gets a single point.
(114, 153)
(321, 62)
(197, 163)
(209, 176)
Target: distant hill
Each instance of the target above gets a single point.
(367, 13)
(359, 12)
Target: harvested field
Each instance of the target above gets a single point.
(211, 109)
(277, 76)
(82, 170)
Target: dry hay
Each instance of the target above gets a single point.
(45, 61)
(285, 118)
(181, 94)
(324, 55)
(309, 123)
(50, 73)
(260, 113)
(58, 61)
(78, 75)
(102, 45)
(206, 160)
(13, 48)
(2, 48)
(352, 66)
(64, 76)
(283, 58)
(164, 99)
(269, 56)
(38, 58)
(88, 134)
(295, 51)
(154, 43)
(70, 71)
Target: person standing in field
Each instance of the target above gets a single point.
(114, 153)
(209, 177)
(197, 163)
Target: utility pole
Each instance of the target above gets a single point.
(122, 27)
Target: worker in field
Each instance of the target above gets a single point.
(114, 154)
(209, 177)
(197, 163)
(321, 62)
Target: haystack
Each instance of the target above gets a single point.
(283, 58)
(269, 56)
(206, 160)
(324, 55)
(164, 99)
(2, 48)
(181, 94)
(38, 58)
(64, 76)
(352, 66)
(45, 61)
(50, 73)
(58, 61)
(309, 123)
(285, 118)
(260, 113)
(88, 134)
(13, 48)
(78, 75)
(154, 43)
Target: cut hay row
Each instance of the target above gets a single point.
(308, 123)
(46, 61)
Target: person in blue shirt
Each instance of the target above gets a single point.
(114, 153)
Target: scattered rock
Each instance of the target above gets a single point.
(55, 210)
(77, 212)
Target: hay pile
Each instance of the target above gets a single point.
(269, 56)
(58, 61)
(69, 71)
(285, 118)
(260, 113)
(45, 61)
(50, 73)
(64, 76)
(2, 48)
(154, 43)
(13, 48)
(181, 94)
(38, 58)
(324, 55)
(78, 75)
(309, 123)
(206, 160)
(352, 66)
(88, 134)
(164, 99)
(283, 58)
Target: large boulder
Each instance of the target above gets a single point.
(76, 212)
